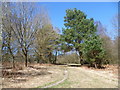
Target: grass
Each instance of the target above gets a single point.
(48, 84)
(63, 68)
(84, 79)
(66, 83)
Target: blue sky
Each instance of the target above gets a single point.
(100, 11)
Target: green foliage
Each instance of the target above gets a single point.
(80, 34)
(77, 28)
(93, 51)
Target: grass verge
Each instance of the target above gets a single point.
(64, 84)
(48, 84)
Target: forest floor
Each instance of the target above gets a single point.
(43, 75)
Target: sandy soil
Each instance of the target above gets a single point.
(83, 77)
(78, 77)
(34, 77)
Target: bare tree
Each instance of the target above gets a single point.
(29, 29)
(7, 33)
(116, 29)
(110, 46)
(114, 22)
(24, 25)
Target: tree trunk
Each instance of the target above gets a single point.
(13, 62)
(95, 65)
(55, 58)
(80, 57)
(50, 55)
(38, 61)
(99, 63)
(26, 60)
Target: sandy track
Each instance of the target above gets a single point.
(57, 83)
(76, 77)
(84, 78)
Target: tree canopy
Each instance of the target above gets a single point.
(80, 34)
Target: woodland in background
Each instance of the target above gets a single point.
(28, 36)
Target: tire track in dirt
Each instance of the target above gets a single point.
(54, 84)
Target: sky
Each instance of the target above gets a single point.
(100, 11)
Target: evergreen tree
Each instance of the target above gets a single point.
(93, 51)
(77, 27)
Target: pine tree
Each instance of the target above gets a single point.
(77, 28)
(93, 51)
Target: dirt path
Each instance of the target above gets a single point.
(61, 81)
(64, 77)
(81, 78)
